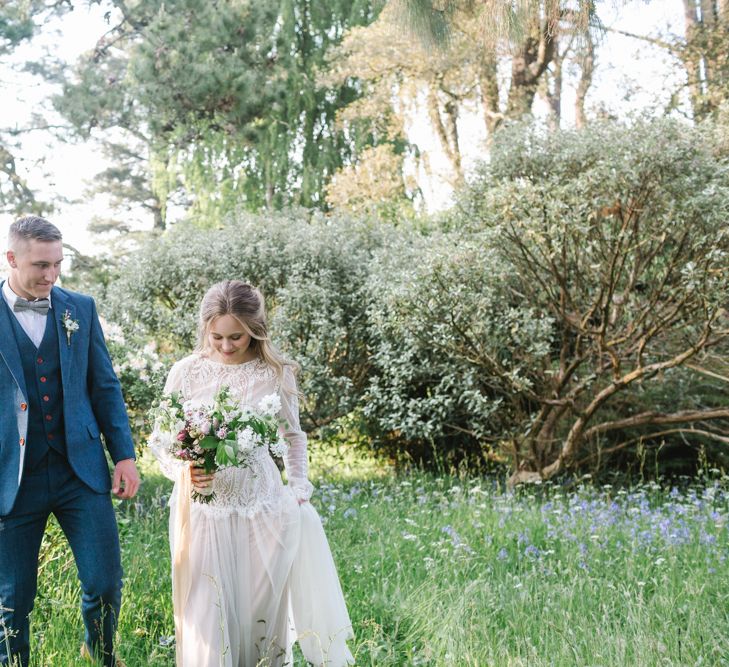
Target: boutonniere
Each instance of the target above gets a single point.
(70, 325)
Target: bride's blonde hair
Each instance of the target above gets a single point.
(245, 303)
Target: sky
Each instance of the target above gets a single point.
(630, 76)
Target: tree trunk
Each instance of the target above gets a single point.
(447, 132)
(587, 67)
(489, 87)
(553, 94)
(722, 10)
(527, 67)
(159, 218)
(692, 59)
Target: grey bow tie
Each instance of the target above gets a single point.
(39, 305)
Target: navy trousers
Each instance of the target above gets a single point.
(88, 521)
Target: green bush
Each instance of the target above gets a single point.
(453, 349)
(141, 371)
(618, 233)
(313, 273)
(570, 307)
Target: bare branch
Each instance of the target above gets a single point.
(657, 418)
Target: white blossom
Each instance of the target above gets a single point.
(270, 405)
(248, 440)
(279, 448)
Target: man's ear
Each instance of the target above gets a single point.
(11, 259)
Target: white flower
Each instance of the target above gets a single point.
(160, 439)
(279, 448)
(248, 439)
(112, 332)
(137, 363)
(270, 405)
(188, 407)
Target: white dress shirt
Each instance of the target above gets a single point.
(33, 323)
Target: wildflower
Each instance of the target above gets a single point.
(531, 551)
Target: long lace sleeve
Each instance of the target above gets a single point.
(296, 461)
(160, 441)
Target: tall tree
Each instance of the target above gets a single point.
(526, 33)
(100, 103)
(702, 51)
(223, 96)
(455, 58)
(705, 54)
(18, 24)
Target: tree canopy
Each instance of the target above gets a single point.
(221, 100)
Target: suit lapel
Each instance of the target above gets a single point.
(9, 348)
(60, 307)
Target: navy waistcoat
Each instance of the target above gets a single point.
(42, 371)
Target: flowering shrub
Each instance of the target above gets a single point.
(140, 369)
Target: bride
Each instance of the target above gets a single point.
(252, 569)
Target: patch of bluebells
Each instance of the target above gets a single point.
(541, 529)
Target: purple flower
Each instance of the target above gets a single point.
(531, 551)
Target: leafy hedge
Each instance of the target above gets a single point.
(456, 339)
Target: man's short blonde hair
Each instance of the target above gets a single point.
(32, 228)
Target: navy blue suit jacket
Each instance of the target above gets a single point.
(92, 400)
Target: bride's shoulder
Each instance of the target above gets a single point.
(185, 364)
(187, 361)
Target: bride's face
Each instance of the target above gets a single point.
(228, 341)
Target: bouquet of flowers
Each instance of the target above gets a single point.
(218, 435)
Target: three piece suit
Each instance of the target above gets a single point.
(58, 394)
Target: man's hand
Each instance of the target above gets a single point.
(126, 479)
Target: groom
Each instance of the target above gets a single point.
(58, 392)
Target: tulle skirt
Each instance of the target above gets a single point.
(259, 580)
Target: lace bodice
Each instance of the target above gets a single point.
(198, 378)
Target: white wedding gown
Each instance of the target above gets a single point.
(260, 569)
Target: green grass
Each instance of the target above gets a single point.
(444, 570)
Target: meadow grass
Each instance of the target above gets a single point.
(453, 570)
